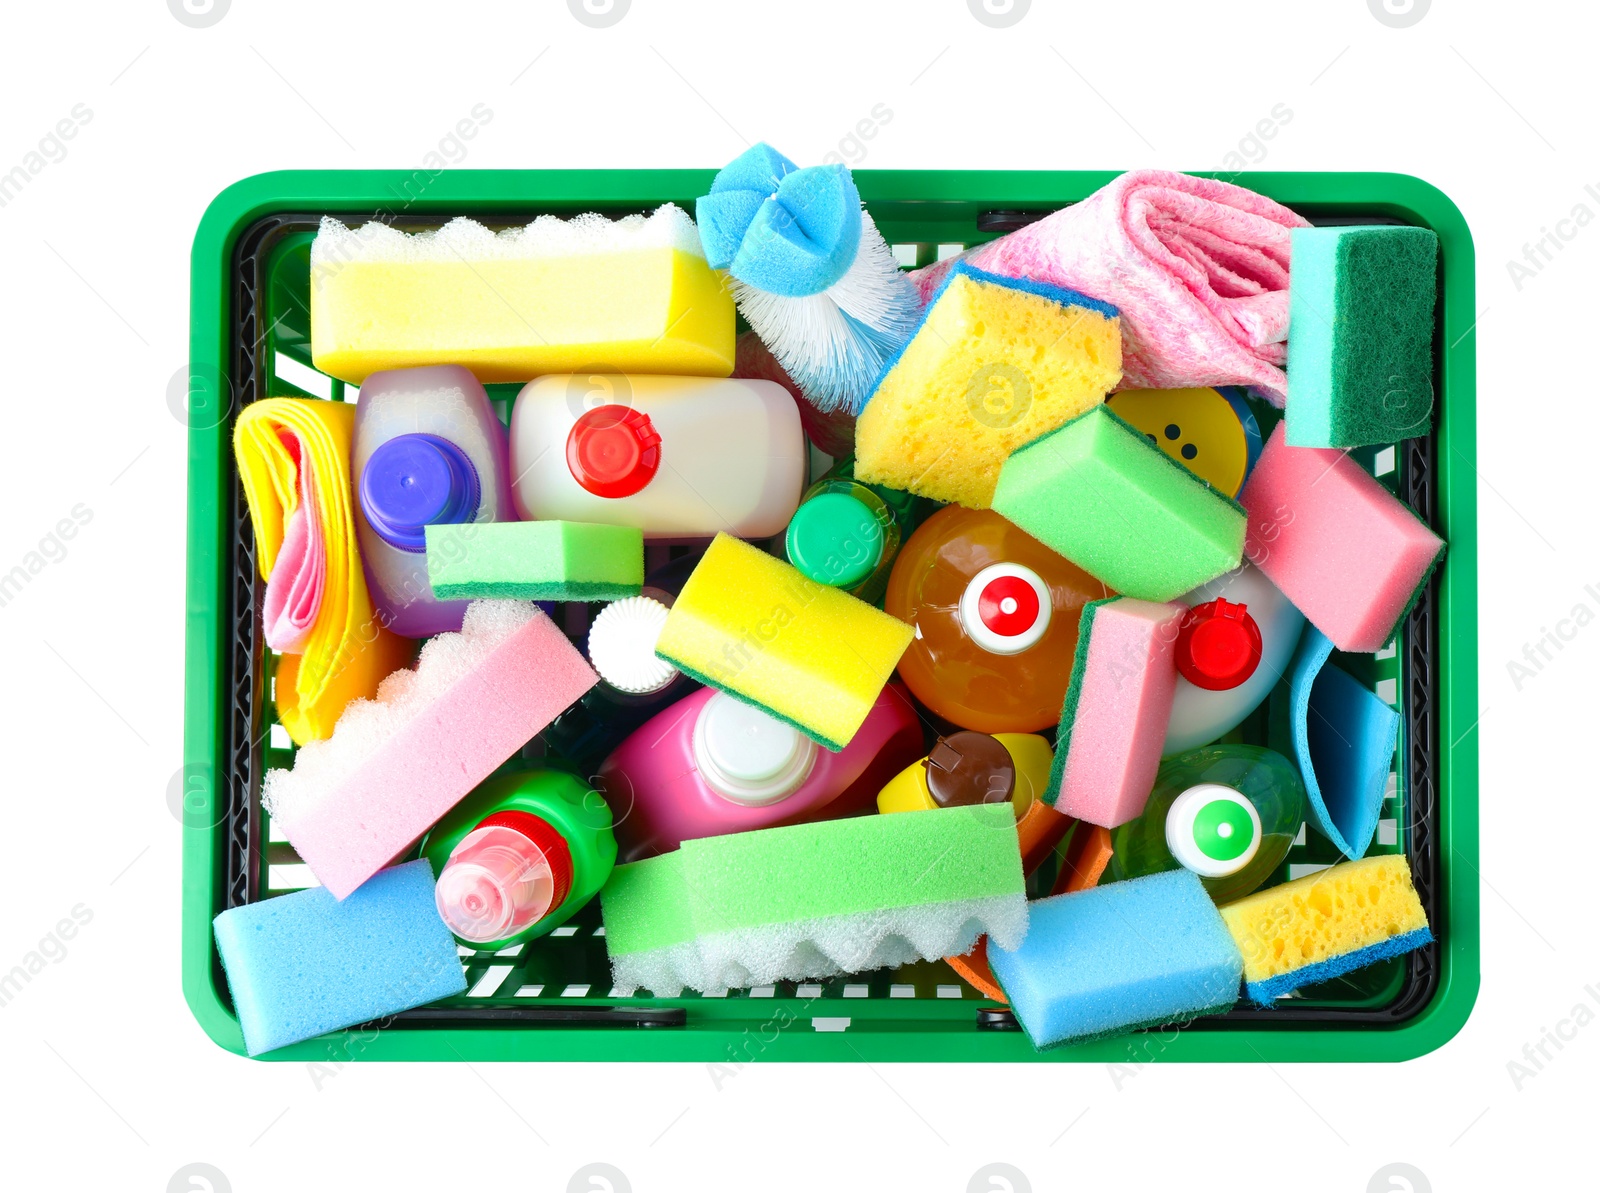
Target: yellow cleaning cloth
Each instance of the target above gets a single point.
(347, 652)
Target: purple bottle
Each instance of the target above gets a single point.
(428, 449)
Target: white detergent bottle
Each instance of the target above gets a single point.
(678, 457)
(1231, 650)
(428, 448)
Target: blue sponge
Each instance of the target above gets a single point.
(306, 963)
(1128, 954)
(1344, 739)
(776, 227)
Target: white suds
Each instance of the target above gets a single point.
(463, 239)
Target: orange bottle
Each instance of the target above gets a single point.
(996, 613)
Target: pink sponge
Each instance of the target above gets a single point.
(396, 764)
(1348, 553)
(1118, 704)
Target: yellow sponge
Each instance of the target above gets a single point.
(995, 363)
(1326, 924)
(756, 628)
(588, 294)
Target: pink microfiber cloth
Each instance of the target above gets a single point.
(1199, 270)
(294, 586)
(394, 765)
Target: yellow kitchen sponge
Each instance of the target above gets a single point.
(995, 363)
(1326, 924)
(589, 294)
(757, 629)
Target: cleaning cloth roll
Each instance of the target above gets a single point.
(294, 463)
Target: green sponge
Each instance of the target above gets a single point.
(1360, 335)
(1100, 493)
(814, 900)
(535, 561)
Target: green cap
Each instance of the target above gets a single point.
(835, 539)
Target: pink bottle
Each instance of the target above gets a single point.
(710, 765)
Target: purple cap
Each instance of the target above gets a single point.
(413, 481)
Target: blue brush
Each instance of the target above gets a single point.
(306, 963)
(1128, 954)
(810, 271)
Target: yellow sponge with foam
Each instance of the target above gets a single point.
(994, 364)
(1326, 924)
(589, 294)
(757, 629)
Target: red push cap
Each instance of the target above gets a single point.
(1219, 645)
(1008, 605)
(550, 843)
(613, 451)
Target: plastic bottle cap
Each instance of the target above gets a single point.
(622, 646)
(835, 539)
(414, 481)
(503, 876)
(1219, 645)
(970, 768)
(1213, 830)
(747, 756)
(613, 451)
(1005, 608)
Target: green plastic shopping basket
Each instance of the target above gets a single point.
(552, 999)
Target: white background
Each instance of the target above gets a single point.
(109, 1082)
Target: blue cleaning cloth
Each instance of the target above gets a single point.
(776, 227)
(306, 963)
(1344, 739)
(1267, 992)
(1140, 952)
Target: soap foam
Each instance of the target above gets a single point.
(463, 239)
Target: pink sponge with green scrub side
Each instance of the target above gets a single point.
(1118, 703)
(1346, 551)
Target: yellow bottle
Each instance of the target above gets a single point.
(973, 768)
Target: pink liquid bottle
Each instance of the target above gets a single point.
(711, 765)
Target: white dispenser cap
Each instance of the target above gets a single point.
(622, 646)
(747, 756)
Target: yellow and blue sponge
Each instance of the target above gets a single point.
(1326, 924)
(994, 364)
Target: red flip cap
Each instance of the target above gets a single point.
(550, 843)
(1219, 645)
(613, 451)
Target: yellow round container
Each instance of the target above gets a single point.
(1199, 428)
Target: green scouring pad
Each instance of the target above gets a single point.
(1100, 493)
(814, 900)
(1360, 335)
(535, 561)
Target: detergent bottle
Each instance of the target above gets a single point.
(428, 449)
(678, 457)
(996, 614)
(711, 764)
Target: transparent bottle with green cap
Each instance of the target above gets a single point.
(846, 534)
(1227, 812)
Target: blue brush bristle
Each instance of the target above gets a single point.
(1145, 951)
(306, 963)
